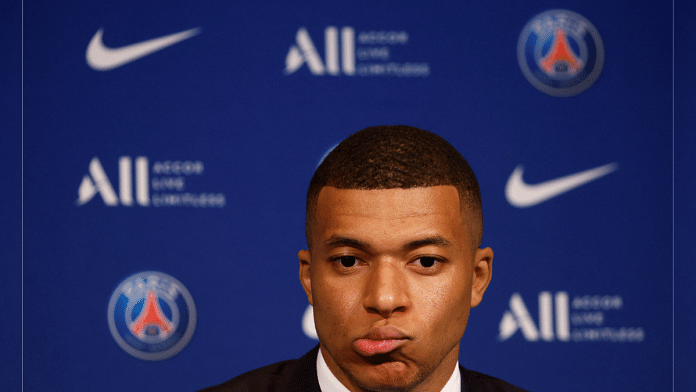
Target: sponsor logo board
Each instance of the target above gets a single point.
(560, 53)
(522, 195)
(151, 315)
(102, 58)
(583, 318)
(161, 184)
(351, 53)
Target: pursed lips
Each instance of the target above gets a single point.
(380, 340)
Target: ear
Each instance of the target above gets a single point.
(483, 269)
(305, 273)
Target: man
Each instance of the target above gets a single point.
(394, 264)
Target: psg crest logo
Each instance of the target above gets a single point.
(560, 53)
(151, 316)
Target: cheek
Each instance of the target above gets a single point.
(335, 306)
(445, 302)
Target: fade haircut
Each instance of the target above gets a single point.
(398, 156)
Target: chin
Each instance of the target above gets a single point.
(388, 385)
(389, 376)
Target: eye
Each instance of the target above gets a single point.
(428, 265)
(347, 261)
(427, 262)
(346, 264)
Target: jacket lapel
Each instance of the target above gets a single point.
(305, 376)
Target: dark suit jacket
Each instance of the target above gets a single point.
(301, 375)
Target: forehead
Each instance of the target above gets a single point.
(389, 213)
(392, 203)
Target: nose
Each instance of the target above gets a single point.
(386, 291)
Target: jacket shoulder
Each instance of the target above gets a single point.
(292, 375)
(479, 382)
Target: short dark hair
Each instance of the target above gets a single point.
(398, 156)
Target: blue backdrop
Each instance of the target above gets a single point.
(190, 158)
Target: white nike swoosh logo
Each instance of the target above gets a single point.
(520, 194)
(101, 58)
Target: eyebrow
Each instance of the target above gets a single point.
(437, 240)
(338, 241)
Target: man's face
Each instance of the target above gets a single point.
(392, 276)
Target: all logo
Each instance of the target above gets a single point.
(518, 318)
(560, 53)
(304, 52)
(582, 319)
(163, 185)
(368, 53)
(97, 182)
(151, 316)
